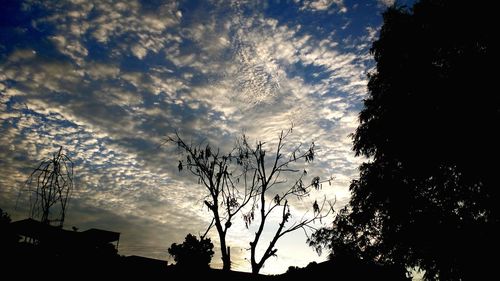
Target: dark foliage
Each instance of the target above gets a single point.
(344, 268)
(429, 195)
(4, 218)
(192, 253)
(8, 238)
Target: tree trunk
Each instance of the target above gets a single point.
(226, 258)
(256, 268)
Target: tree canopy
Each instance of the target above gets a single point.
(428, 195)
(248, 176)
(192, 253)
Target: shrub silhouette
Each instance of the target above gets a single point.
(192, 253)
(8, 238)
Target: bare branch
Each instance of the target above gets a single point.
(219, 173)
(208, 229)
(269, 177)
(51, 183)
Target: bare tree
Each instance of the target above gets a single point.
(51, 184)
(269, 176)
(225, 178)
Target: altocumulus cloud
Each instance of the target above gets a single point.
(108, 80)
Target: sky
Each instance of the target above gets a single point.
(109, 80)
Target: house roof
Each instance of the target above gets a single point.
(101, 236)
(35, 229)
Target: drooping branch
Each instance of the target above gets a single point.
(49, 184)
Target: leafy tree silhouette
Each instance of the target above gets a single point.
(4, 218)
(220, 175)
(192, 253)
(8, 238)
(246, 176)
(428, 197)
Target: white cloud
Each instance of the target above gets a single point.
(139, 51)
(120, 97)
(219, 73)
(102, 71)
(387, 3)
(21, 54)
(322, 5)
(372, 33)
(110, 20)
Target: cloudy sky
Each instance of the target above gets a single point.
(108, 80)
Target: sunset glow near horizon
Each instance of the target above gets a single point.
(108, 80)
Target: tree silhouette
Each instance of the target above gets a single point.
(428, 197)
(192, 253)
(4, 218)
(220, 175)
(8, 238)
(50, 185)
(341, 241)
(242, 176)
(270, 174)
